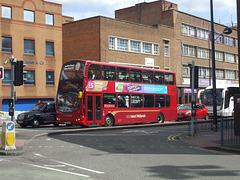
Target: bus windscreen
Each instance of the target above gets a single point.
(70, 86)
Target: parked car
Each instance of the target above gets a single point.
(43, 112)
(184, 112)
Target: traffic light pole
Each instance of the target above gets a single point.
(11, 109)
(192, 87)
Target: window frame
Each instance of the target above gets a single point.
(50, 82)
(30, 82)
(26, 15)
(4, 48)
(48, 44)
(29, 51)
(49, 21)
(7, 77)
(9, 16)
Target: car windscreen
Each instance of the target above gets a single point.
(185, 107)
(38, 107)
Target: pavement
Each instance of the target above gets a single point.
(203, 139)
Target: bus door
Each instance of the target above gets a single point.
(94, 109)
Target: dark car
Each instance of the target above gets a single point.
(42, 113)
(184, 112)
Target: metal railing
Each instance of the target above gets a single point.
(228, 133)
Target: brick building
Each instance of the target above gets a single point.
(31, 30)
(159, 34)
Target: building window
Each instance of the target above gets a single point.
(188, 30)
(29, 78)
(111, 43)
(49, 48)
(203, 34)
(155, 49)
(189, 50)
(203, 72)
(229, 58)
(185, 71)
(7, 44)
(219, 73)
(229, 41)
(29, 16)
(147, 48)
(6, 12)
(50, 78)
(230, 74)
(218, 38)
(49, 19)
(236, 59)
(219, 56)
(122, 44)
(7, 77)
(203, 53)
(29, 46)
(135, 46)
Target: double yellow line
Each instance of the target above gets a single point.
(173, 137)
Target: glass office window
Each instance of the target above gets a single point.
(49, 19)
(6, 44)
(30, 78)
(29, 46)
(29, 16)
(6, 12)
(49, 48)
(50, 78)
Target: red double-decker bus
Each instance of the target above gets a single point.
(95, 93)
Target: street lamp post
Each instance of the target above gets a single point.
(227, 30)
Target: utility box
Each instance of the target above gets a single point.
(237, 115)
(8, 135)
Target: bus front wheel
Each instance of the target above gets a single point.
(108, 121)
(160, 118)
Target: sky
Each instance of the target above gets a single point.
(224, 10)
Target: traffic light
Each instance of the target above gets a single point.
(195, 77)
(193, 108)
(11, 103)
(18, 73)
(193, 104)
(1, 72)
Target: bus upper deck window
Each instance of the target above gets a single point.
(94, 72)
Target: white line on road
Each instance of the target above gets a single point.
(58, 170)
(78, 167)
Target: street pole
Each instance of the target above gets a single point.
(11, 109)
(215, 128)
(192, 117)
(238, 27)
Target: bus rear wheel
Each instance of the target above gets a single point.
(160, 118)
(108, 121)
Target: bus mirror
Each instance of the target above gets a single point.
(80, 94)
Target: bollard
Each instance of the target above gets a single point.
(8, 135)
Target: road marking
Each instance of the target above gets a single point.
(58, 170)
(78, 167)
(173, 137)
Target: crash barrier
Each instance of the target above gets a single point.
(8, 135)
